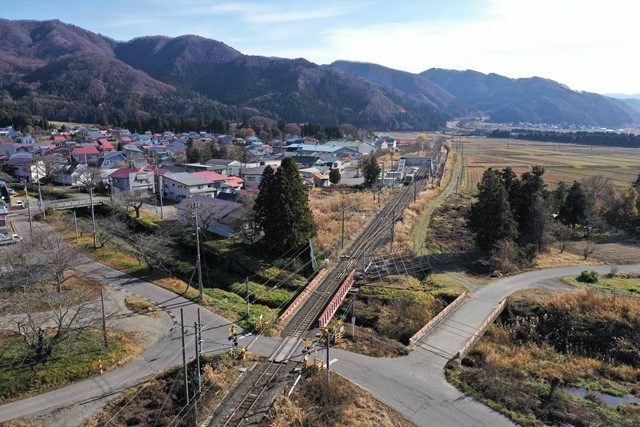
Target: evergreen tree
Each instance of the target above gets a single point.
(558, 196)
(490, 218)
(265, 200)
(120, 146)
(370, 170)
(531, 210)
(334, 176)
(282, 208)
(575, 209)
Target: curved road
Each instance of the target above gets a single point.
(414, 385)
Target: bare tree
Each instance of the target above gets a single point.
(587, 248)
(126, 200)
(154, 249)
(564, 235)
(91, 179)
(53, 165)
(44, 331)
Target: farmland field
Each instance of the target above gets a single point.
(565, 162)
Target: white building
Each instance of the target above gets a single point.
(182, 185)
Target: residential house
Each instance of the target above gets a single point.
(221, 217)
(87, 155)
(105, 145)
(70, 174)
(316, 176)
(26, 170)
(133, 180)
(252, 176)
(111, 160)
(232, 182)
(183, 185)
(307, 161)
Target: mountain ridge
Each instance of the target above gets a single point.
(62, 71)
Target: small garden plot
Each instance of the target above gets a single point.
(389, 311)
(554, 358)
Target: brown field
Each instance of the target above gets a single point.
(561, 162)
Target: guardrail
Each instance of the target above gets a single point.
(464, 350)
(300, 299)
(437, 318)
(74, 203)
(337, 299)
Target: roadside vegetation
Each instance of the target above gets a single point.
(544, 343)
(613, 282)
(389, 311)
(74, 359)
(314, 403)
(161, 400)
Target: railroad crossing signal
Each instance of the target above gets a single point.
(233, 335)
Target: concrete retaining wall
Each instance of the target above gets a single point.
(438, 317)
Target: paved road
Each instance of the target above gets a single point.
(162, 355)
(415, 385)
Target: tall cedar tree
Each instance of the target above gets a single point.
(490, 218)
(370, 170)
(282, 208)
(531, 209)
(334, 176)
(575, 209)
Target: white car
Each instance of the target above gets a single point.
(12, 192)
(5, 239)
(19, 204)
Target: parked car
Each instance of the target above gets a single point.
(12, 192)
(5, 239)
(18, 204)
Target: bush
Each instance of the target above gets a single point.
(588, 277)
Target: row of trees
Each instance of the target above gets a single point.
(513, 217)
(608, 139)
(511, 213)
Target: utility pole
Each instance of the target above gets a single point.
(342, 238)
(198, 264)
(184, 358)
(328, 339)
(353, 316)
(393, 226)
(415, 189)
(196, 378)
(75, 221)
(26, 196)
(246, 292)
(93, 216)
(42, 210)
(104, 320)
(161, 206)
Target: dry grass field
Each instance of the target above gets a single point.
(562, 162)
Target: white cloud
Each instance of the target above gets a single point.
(589, 44)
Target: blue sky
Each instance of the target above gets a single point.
(586, 44)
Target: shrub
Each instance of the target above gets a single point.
(588, 277)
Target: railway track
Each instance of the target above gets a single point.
(267, 374)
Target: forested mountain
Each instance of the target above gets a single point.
(63, 72)
(406, 82)
(532, 99)
(60, 71)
